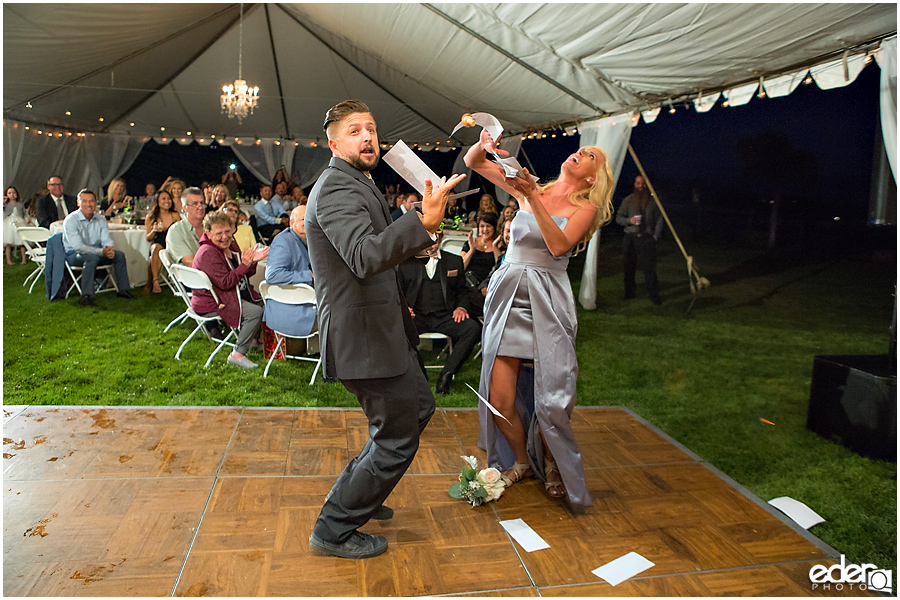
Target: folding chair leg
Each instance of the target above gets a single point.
(184, 343)
(279, 341)
(37, 274)
(219, 347)
(315, 371)
(179, 319)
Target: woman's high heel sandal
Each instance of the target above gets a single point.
(518, 472)
(556, 489)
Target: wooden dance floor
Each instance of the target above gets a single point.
(221, 502)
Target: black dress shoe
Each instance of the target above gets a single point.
(383, 513)
(443, 384)
(359, 545)
(126, 294)
(86, 301)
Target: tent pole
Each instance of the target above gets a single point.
(693, 274)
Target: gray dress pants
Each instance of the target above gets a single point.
(398, 409)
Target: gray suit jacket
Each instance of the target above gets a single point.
(365, 331)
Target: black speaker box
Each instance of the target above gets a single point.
(853, 401)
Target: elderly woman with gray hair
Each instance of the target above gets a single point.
(229, 269)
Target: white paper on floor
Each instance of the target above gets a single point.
(525, 535)
(803, 515)
(622, 568)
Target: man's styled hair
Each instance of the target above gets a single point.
(86, 191)
(341, 111)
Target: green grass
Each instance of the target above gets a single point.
(743, 353)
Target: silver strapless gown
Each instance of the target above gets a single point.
(529, 313)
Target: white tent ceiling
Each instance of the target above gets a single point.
(418, 66)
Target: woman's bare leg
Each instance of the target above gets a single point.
(504, 376)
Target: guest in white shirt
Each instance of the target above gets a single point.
(88, 244)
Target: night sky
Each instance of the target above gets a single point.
(813, 146)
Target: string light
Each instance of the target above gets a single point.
(101, 119)
(28, 105)
(131, 124)
(68, 113)
(808, 80)
(725, 104)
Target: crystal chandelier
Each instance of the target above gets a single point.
(239, 98)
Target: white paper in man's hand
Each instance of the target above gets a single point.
(488, 404)
(413, 170)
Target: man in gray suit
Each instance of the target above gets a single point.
(367, 337)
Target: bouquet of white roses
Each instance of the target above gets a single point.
(477, 487)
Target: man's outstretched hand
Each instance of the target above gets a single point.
(434, 203)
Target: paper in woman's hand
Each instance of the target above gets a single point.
(413, 170)
(488, 404)
(511, 167)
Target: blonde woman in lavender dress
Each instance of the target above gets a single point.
(529, 317)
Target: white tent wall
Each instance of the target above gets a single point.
(92, 161)
(612, 136)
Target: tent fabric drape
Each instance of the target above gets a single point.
(91, 161)
(887, 61)
(265, 158)
(612, 135)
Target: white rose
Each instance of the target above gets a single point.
(486, 476)
(494, 490)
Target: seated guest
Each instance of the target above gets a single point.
(284, 199)
(88, 244)
(243, 233)
(288, 264)
(149, 197)
(268, 213)
(55, 205)
(156, 227)
(183, 239)
(509, 211)
(217, 198)
(404, 204)
(487, 204)
(298, 197)
(479, 255)
(175, 187)
(117, 199)
(229, 270)
(453, 209)
(438, 300)
(502, 242)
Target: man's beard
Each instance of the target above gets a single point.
(358, 163)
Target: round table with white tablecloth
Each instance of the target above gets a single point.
(132, 241)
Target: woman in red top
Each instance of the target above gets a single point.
(229, 270)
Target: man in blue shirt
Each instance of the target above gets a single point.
(288, 264)
(88, 244)
(267, 213)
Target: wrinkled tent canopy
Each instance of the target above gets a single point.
(86, 85)
(419, 66)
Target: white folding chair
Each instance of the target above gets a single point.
(108, 284)
(290, 294)
(32, 238)
(454, 245)
(198, 280)
(176, 288)
(432, 336)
